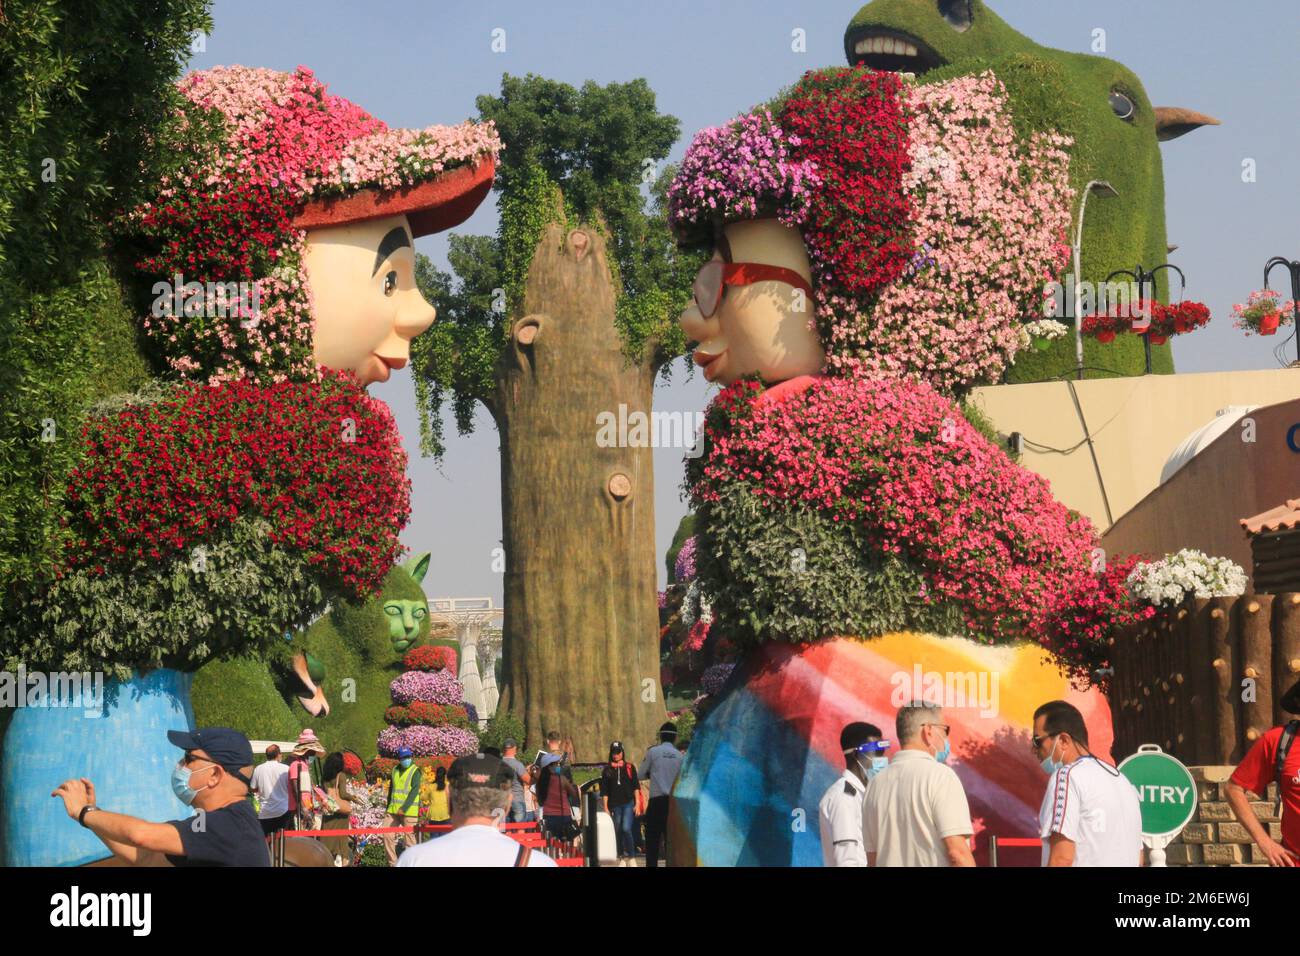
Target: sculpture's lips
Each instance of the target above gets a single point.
(707, 353)
(890, 50)
(389, 364)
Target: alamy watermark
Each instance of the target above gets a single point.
(947, 689)
(70, 689)
(638, 429)
(228, 300)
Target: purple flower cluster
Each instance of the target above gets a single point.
(432, 687)
(715, 677)
(427, 741)
(684, 566)
(742, 170)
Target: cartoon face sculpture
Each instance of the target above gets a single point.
(753, 306)
(404, 619)
(366, 306)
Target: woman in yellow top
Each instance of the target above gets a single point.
(439, 806)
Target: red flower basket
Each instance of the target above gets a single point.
(1106, 337)
(1268, 323)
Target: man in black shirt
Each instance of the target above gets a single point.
(213, 776)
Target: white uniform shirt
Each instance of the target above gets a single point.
(473, 845)
(1097, 807)
(271, 784)
(910, 808)
(839, 817)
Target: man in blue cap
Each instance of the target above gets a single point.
(403, 800)
(212, 776)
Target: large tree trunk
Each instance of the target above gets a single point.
(581, 629)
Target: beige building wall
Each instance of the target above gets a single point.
(1135, 424)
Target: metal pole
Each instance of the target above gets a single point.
(1078, 319)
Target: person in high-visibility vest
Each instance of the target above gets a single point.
(403, 800)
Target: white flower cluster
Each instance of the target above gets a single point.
(1188, 573)
(696, 606)
(1046, 329)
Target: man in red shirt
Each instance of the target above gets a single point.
(1255, 773)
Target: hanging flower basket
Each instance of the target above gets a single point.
(1264, 313)
(1106, 337)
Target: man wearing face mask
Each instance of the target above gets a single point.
(214, 777)
(840, 811)
(403, 800)
(1091, 814)
(915, 812)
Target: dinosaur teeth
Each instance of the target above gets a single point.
(885, 45)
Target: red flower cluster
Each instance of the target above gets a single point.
(1165, 320)
(431, 715)
(900, 463)
(852, 123)
(226, 232)
(352, 764)
(322, 463)
(429, 658)
(1085, 617)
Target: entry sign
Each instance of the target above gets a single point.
(1166, 789)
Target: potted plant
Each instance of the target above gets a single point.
(1043, 332)
(1179, 319)
(1263, 313)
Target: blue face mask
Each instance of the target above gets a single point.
(181, 785)
(1050, 763)
(943, 755)
(877, 764)
(406, 762)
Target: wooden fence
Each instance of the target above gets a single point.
(1202, 681)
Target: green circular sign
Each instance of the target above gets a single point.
(1166, 789)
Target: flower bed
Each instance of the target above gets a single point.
(427, 741)
(429, 657)
(430, 687)
(418, 712)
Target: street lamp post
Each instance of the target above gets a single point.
(1142, 277)
(1104, 189)
(1292, 267)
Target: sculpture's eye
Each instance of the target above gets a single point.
(392, 610)
(958, 13)
(420, 613)
(390, 283)
(1122, 105)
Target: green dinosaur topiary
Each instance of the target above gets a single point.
(1098, 102)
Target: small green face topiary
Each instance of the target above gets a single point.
(408, 618)
(1097, 102)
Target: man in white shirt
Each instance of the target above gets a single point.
(839, 814)
(1091, 814)
(915, 812)
(480, 802)
(662, 764)
(271, 784)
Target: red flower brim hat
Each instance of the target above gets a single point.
(440, 204)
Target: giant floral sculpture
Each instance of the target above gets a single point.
(255, 483)
(842, 491)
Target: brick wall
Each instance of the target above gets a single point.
(1215, 838)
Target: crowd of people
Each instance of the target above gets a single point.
(911, 809)
(906, 810)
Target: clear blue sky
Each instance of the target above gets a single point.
(414, 64)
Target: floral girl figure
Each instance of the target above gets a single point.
(257, 483)
(308, 206)
(843, 309)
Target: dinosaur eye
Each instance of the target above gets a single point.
(1122, 105)
(958, 14)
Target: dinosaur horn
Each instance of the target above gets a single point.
(1174, 121)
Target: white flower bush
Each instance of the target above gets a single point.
(696, 607)
(1187, 573)
(1046, 329)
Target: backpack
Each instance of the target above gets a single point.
(1283, 750)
